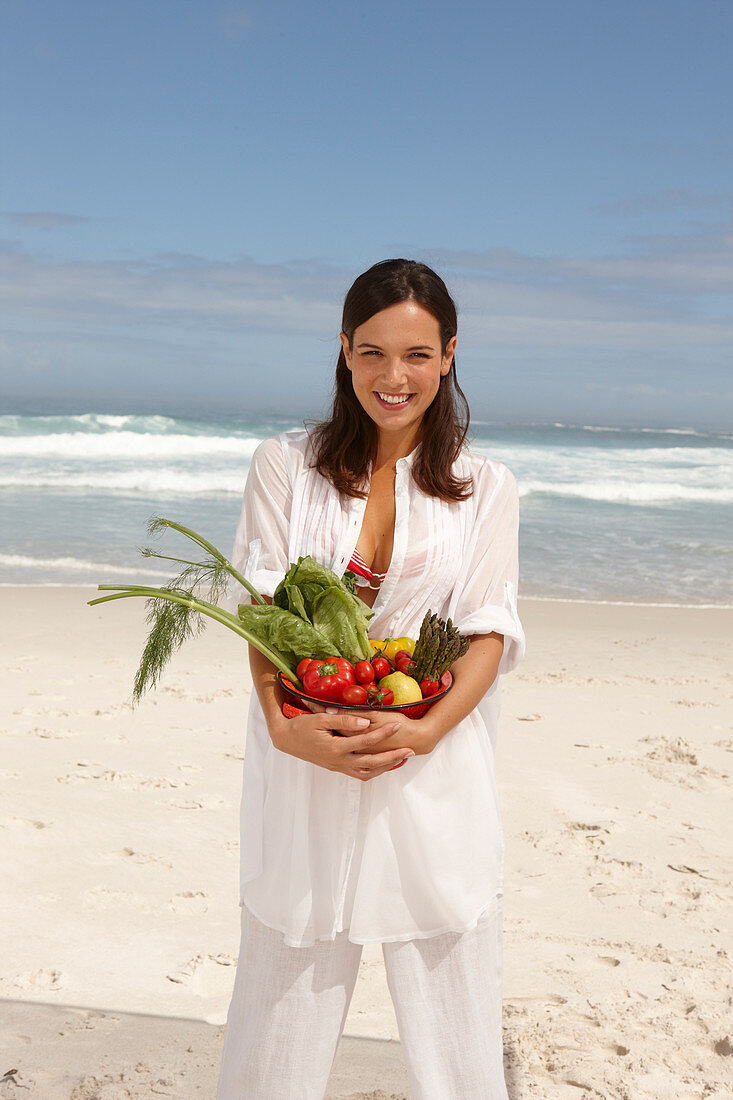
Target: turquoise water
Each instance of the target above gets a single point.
(613, 514)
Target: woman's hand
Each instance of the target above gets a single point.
(392, 730)
(360, 752)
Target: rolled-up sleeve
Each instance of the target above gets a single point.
(261, 547)
(485, 597)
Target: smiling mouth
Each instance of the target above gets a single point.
(393, 400)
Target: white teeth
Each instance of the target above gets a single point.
(395, 398)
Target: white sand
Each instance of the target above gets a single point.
(118, 859)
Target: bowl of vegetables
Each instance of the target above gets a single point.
(313, 611)
(377, 698)
(407, 680)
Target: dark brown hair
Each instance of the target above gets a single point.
(345, 446)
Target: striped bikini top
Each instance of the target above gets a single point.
(364, 576)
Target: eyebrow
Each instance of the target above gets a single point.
(416, 347)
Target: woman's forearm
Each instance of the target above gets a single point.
(474, 674)
(269, 692)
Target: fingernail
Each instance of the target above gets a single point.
(331, 710)
(394, 769)
(362, 723)
(408, 755)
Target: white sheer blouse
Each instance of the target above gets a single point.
(415, 852)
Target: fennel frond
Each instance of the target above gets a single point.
(176, 610)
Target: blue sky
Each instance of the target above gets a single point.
(188, 189)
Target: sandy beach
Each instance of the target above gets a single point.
(118, 859)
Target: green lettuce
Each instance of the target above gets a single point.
(290, 636)
(330, 604)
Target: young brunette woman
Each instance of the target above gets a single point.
(413, 858)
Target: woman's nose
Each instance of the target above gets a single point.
(394, 371)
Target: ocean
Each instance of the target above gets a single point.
(609, 514)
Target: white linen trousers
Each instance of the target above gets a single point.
(290, 1003)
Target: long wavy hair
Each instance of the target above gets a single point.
(345, 445)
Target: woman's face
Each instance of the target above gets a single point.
(396, 364)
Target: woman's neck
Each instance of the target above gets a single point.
(390, 448)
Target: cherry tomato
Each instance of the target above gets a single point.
(378, 697)
(381, 667)
(429, 687)
(364, 672)
(403, 662)
(355, 695)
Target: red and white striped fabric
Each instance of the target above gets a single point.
(363, 573)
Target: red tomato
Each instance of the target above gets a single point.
(381, 667)
(429, 687)
(354, 695)
(302, 666)
(364, 672)
(378, 697)
(403, 662)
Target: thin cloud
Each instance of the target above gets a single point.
(235, 21)
(43, 219)
(664, 292)
(663, 202)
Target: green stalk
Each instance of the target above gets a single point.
(209, 546)
(226, 618)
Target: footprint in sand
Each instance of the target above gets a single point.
(42, 712)
(189, 902)
(129, 781)
(24, 823)
(101, 898)
(206, 975)
(133, 856)
(671, 750)
(48, 980)
(52, 735)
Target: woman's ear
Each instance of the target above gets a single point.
(347, 350)
(448, 354)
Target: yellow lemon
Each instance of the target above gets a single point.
(404, 688)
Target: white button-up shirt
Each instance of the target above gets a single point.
(415, 852)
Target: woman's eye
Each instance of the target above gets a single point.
(420, 355)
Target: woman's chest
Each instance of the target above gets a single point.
(422, 540)
(375, 540)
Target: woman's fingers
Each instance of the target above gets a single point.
(361, 742)
(349, 724)
(374, 764)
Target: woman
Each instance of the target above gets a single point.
(340, 845)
